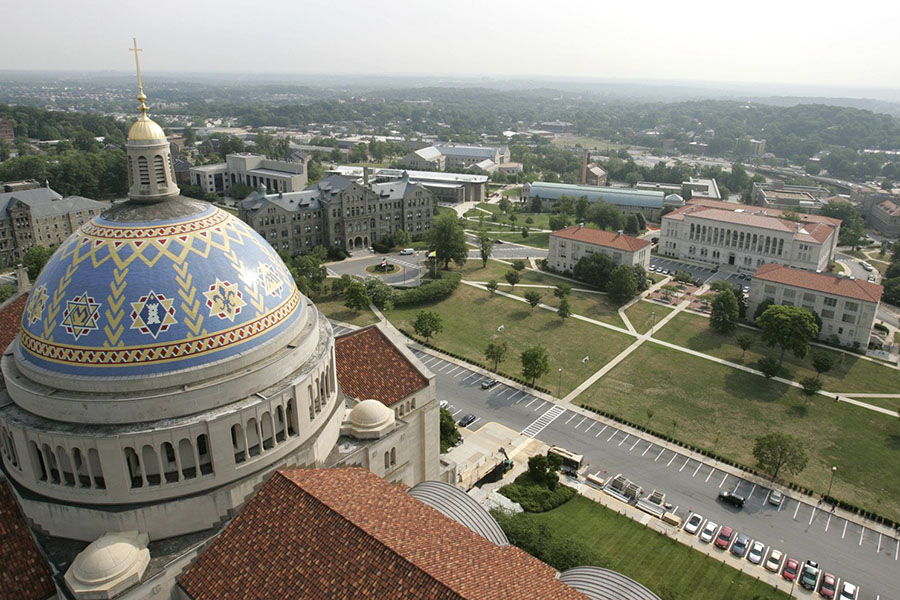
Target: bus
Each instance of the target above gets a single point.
(571, 462)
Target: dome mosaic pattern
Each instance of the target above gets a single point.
(146, 298)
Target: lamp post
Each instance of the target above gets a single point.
(652, 320)
(559, 385)
(833, 471)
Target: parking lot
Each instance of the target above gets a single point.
(702, 274)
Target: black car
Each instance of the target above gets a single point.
(467, 420)
(732, 499)
(488, 384)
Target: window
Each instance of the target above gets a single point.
(851, 306)
(832, 302)
(827, 314)
(847, 318)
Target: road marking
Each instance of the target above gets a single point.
(897, 551)
(671, 459)
(623, 440)
(454, 370)
(686, 461)
(463, 371)
(723, 480)
(530, 403)
(430, 360)
(570, 418)
(634, 444)
(812, 516)
(783, 502)
(542, 421)
(699, 464)
(753, 489)
(796, 510)
(676, 509)
(601, 431)
(516, 394)
(506, 391)
(862, 532)
(473, 422)
(710, 473)
(661, 450)
(645, 449)
(445, 366)
(469, 377)
(880, 535)
(540, 406)
(589, 426)
(456, 413)
(845, 529)
(827, 523)
(613, 435)
(522, 398)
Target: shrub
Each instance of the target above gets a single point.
(769, 366)
(432, 291)
(535, 496)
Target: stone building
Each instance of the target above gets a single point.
(339, 212)
(885, 217)
(569, 245)
(250, 169)
(449, 188)
(447, 156)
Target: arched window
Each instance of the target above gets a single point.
(134, 467)
(279, 424)
(291, 418)
(268, 436)
(387, 461)
(312, 408)
(318, 401)
(151, 465)
(393, 456)
(170, 463)
(159, 168)
(237, 443)
(95, 468)
(203, 454)
(253, 438)
(143, 170)
(186, 455)
(37, 459)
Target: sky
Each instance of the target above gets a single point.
(785, 41)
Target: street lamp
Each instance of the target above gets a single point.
(559, 386)
(652, 320)
(833, 471)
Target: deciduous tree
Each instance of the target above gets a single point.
(356, 297)
(776, 451)
(622, 287)
(534, 298)
(447, 240)
(535, 363)
(789, 327)
(427, 324)
(495, 352)
(724, 314)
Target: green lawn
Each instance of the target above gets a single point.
(513, 193)
(880, 265)
(473, 271)
(723, 409)
(855, 254)
(838, 267)
(536, 239)
(586, 304)
(446, 210)
(667, 567)
(850, 373)
(642, 317)
(333, 308)
(471, 318)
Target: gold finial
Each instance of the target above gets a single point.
(137, 63)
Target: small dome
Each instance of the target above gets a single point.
(145, 129)
(371, 414)
(109, 564)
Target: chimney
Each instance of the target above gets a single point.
(366, 176)
(24, 284)
(618, 233)
(584, 169)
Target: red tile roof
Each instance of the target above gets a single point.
(820, 282)
(24, 574)
(11, 320)
(607, 239)
(346, 533)
(811, 228)
(370, 366)
(890, 208)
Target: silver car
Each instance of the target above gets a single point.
(693, 524)
(756, 552)
(708, 532)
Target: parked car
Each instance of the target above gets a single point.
(871, 279)
(739, 547)
(746, 289)
(828, 586)
(693, 524)
(773, 563)
(776, 498)
(756, 552)
(652, 268)
(444, 403)
(708, 532)
(732, 499)
(809, 577)
(407, 251)
(488, 384)
(723, 540)
(865, 265)
(467, 420)
(791, 568)
(848, 591)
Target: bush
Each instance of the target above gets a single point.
(535, 496)
(336, 253)
(432, 291)
(769, 366)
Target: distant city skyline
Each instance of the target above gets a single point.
(702, 41)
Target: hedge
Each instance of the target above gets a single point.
(432, 291)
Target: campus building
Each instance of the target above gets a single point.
(885, 217)
(781, 196)
(448, 188)
(692, 188)
(456, 156)
(569, 245)
(252, 170)
(847, 306)
(628, 200)
(336, 211)
(743, 238)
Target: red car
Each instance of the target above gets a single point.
(791, 568)
(724, 538)
(829, 586)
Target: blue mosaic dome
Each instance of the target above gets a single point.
(138, 298)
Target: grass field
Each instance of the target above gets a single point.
(641, 315)
(667, 567)
(333, 308)
(471, 318)
(880, 265)
(838, 267)
(473, 271)
(723, 409)
(536, 239)
(850, 373)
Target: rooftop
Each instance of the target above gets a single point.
(25, 574)
(369, 365)
(820, 282)
(423, 176)
(613, 195)
(890, 208)
(607, 239)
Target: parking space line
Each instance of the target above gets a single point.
(897, 550)
(880, 535)
(661, 450)
(812, 516)
(506, 391)
(753, 489)
(699, 464)
(623, 439)
(570, 418)
(862, 532)
(516, 394)
(469, 377)
(583, 419)
(522, 398)
(441, 370)
(671, 459)
(601, 431)
(473, 422)
(613, 435)
(530, 403)
(686, 461)
(845, 529)
(428, 361)
(540, 406)
(451, 372)
(634, 444)
(710, 473)
(462, 372)
(589, 426)
(783, 502)
(827, 523)
(645, 449)
(796, 510)
(456, 413)
(723, 480)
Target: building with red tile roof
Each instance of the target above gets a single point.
(743, 237)
(569, 245)
(25, 574)
(885, 217)
(346, 533)
(846, 305)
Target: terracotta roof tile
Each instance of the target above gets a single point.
(346, 533)
(370, 366)
(24, 574)
(811, 228)
(820, 282)
(607, 239)
(11, 320)
(890, 208)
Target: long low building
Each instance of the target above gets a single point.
(847, 306)
(252, 170)
(569, 245)
(742, 238)
(628, 200)
(449, 188)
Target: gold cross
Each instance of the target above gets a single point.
(137, 64)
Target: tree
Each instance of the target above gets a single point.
(34, 260)
(852, 227)
(723, 316)
(524, 232)
(622, 287)
(492, 286)
(789, 327)
(427, 324)
(536, 204)
(640, 276)
(769, 366)
(449, 431)
(605, 215)
(356, 297)
(518, 264)
(631, 225)
(190, 136)
(811, 386)
(745, 342)
(776, 451)
(558, 222)
(565, 309)
(762, 308)
(447, 240)
(495, 352)
(562, 290)
(7, 292)
(544, 469)
(594, 269)
(402, 239)
(504, 204)
(668, 291)
(485, 244)
(822, 362)
(512, 277)
(534, 298)
(535, 363)
(581, 208)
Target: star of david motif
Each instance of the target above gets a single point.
(224, 300)
(153, 314)
(270, 280)
(81, 315)
(36, 304)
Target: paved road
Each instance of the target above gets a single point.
(800, 530)
(703, 274)
(409, 266)
(506, 251)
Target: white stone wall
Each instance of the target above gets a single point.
(564, 254)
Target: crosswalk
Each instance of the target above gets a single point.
(541, 422)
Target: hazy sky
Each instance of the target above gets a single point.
(785, 41)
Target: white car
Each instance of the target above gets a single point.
(773, 563)
(708, 532)
(692, 526)
(444, 403)
(756, 552)
(848, 591)
(407, 251)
